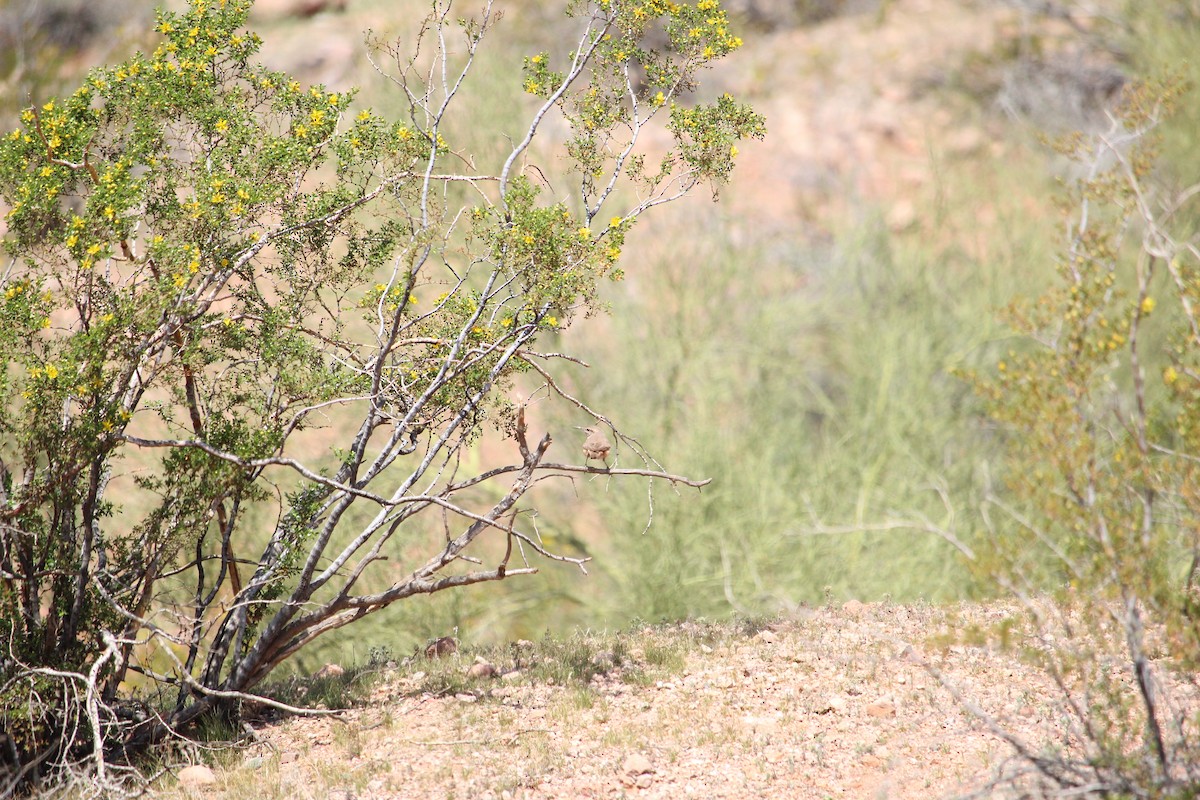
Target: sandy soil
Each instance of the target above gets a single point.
(847, 701)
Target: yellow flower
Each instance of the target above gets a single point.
(51, 371)
(364, 115)
(1170, 376)
(552, 321)
(659, 99)
(222, 125)
(72, 240)
(301, 131)
(317, 116)
(1147, 305)
(733, 151)
(93, 250)
(614, 222)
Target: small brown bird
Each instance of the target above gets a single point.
(596, 446)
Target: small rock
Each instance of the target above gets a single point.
(644, 781)
(871, 760)
(835, 704)
(329, 671)
(445, 646)
(762, 724)
(464, 697)
(853, 607)
(511, 676)
(288, 757)
(605, 659)
(254, 763)
(706, 649)
(769, 636)
(524, 644)
(881, 710)
(637, 764)
(197, 775)
(484, 670)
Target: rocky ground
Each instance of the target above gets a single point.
(856, 701)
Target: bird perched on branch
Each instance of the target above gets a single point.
(596, 446)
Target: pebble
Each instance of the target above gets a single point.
(483, 670)
(637, 764)
(329, 671)
(197, 775)
(881, 710)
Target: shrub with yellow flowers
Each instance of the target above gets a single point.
(207, 260)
